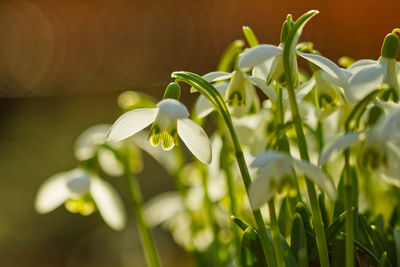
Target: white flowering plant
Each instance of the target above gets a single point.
(304, 172)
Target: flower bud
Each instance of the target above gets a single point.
(286, 28)
(173, 91)
(390, 46)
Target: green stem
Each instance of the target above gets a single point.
(228, 174)
(348, 204)
(302, 144)
(149, 247)
(276, 236)
(211, 216)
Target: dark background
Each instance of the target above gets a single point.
(62, 65)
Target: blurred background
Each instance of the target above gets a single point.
(63, 64)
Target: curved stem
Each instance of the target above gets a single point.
(289, 62)
(216, 99)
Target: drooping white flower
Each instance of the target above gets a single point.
(170, 120)
(266, 62)
(89, 144)
(369, 75)
(380, 151)
(276, 174)
(81, 192)
(239, 93)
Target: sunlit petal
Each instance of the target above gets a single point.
(260, 83)
(360, 64)
(109, 203)
(365, 81)
(256, 55)
(196, 139)
(131, 122)
(327, 65)
(317, 176)
(52, 193)
(304, 89)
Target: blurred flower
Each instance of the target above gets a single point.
(369, 75)
(81, 192)
(276, 175)
(170, 119)
(380, 150)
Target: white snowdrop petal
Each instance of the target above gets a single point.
(78, 182)
(203, 106)
(365, 81)
(85, 144)
(391, 173)
(131, 122)
(162, 207)
(260, 190)
(109, 163)
(109, 203)
(317, 176)
(359, 64)
(341, 143)
(262, 70)
(196, 139)
(52, 193)
(327, 65)
(257, 54)
(260, 83)
(267, 157)
(216, 76)
(304, 89)
(173, 108)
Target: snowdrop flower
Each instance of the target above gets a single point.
(81, 192)
(239, 93)
(380, 151)
(266, 62)
(369, 75)
(276, 174)
(89, 145)
(170, 120)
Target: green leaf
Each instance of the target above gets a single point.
(335, 227)
(228, 58)
(252, 253)
(376, 244)
(338, 251)
(242, 225)
(383, 262)
(250, 36)
(298, 241)
(284, 218)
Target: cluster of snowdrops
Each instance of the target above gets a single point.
(302, 169)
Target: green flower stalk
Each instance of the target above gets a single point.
(289, 61)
